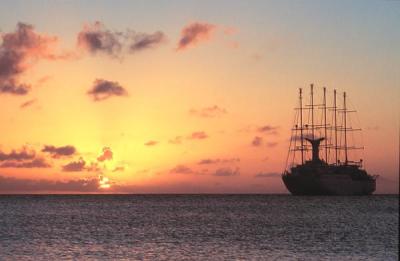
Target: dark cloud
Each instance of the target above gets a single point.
(14, 185)
(151, 143)
(143, 41)
(74, 166)
(27, 103)
(195, 33)
(257, 141)
(181, 169)
(107, 154)
(35, 163)
(208, 112)
(267, 175)
(226, 172)
(14, 155)
(19, 50)
(176, 140)
(95, 38)
(216, 161)
(57, 152)
(11, 87)
(103, 89)
(197, 135)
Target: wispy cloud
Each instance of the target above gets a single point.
(257, 141)
(268, 129)
(151, 143)
(176, 140)
(181, 169)
(103, 89)
(197, 135)
(216, 161)
(142, 41)
(226, 172)
(27, 103)
(267, 175)
(208, 112)
(195, 33)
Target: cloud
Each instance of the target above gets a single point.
(57, 152)
(195, 33)
(267, 175)
(22, 155)
(19, 50)
(118, 169)
(197, 135)
(176, 140)
(216, 161)
(271, 144)
(226, 172)
(208, 161)
(257, 141)
(107, 154)
(151, 143)
(35, 163)
(14, 185)
(144, 41)
(27, 103)
(96, 38)
(74, 166)
(268, 129)
(103, 89)
(208, 112)
(181, 169)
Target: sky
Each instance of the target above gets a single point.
(186, 96)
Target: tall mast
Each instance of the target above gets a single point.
(345, 127)
(326, 136)
(334, 109)
(312, 111)
(301, 127)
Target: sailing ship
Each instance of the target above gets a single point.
(319, 127)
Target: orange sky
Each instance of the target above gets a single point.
(166, 104)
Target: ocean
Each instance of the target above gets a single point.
(198, 227)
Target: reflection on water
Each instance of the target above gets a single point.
(198, 227)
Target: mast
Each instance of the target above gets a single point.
(345, 126)
(312, 111)
(326, 136)
(301, 126)
(334, 109)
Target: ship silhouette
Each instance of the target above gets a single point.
(319, 127)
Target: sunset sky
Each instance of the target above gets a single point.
(185, 96)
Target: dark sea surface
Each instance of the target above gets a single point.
(198, 227)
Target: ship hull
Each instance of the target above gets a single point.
(328, 185)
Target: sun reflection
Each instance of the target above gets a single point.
(104, 182)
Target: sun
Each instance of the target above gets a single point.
(104, 182)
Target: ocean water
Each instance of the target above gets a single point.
(198, 227)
